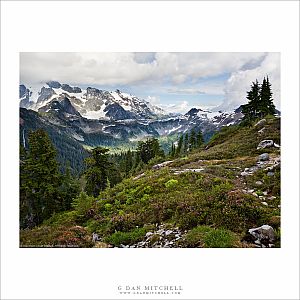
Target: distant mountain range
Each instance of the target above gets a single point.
(91, 103)
(121, 116)
(76, 117)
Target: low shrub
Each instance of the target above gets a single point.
(126, 238)
(219, 238)
(171, 183)
(55, 236)
(195, 237)
(67, 218)
(84, 206)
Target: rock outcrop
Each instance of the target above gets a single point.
(264, 236)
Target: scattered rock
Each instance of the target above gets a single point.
(177, 172)
(260, 123)
(95, 237)
(265, 144)
(264, 157)
(258, 183)
(161, 165)
(148, 234)
(273, 167)
(265, 203)
(261, 131)
(161, 238)
(270, 173)
(263, 235)
(265, 193)
(139, 176)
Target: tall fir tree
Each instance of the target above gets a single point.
(199, 139)
(39, 181)
(179, 146)
(186, 143)
(260, 102)
(266, 106)
(172, 151)
(96, 174)
(69, 188)
(251, 109)
(192, 139)
(128, 162)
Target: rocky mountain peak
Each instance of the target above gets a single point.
(54, 84)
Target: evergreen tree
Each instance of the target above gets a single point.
(179, 146)
(251, 110)
(114, 175)
(186, 143)
(149, 149)
(192, 140)
(69, 189)
(266, 106)
(172, 151)
(137, 160)
(98, 167)
(128, 162)
(260, 101)
(39, 180)
(199, 139)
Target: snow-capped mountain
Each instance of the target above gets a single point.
(207, 121)
(91, 103)
(97, 117)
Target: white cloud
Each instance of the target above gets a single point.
(153, 100)
(240, 81)
(181, 107)
(185, 91)
(128, 68)
(211, 89)
(177, 73)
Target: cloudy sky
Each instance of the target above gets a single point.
(174, 81)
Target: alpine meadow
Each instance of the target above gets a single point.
(150, 150)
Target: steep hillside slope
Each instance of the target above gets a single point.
(68, 148)
(210, 198)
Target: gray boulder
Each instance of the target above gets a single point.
(264, 157)
(263, 235)
(265, 144)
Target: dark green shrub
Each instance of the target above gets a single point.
(126, 238)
